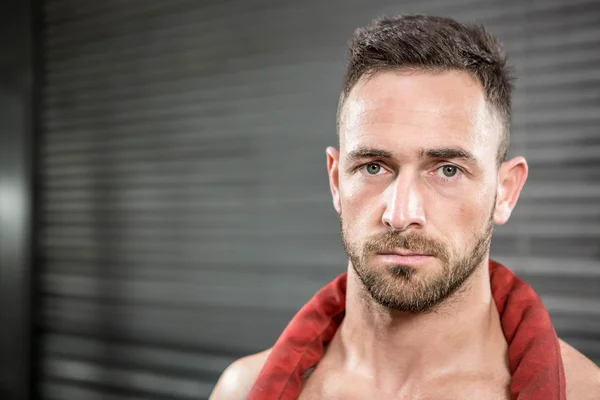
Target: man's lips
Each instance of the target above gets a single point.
(404, 257)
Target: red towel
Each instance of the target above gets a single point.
(533, 350)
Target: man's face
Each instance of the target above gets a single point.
(417, 179)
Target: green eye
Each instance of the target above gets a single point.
(373, 169)
(449, 171)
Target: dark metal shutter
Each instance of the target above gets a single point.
(186, 212)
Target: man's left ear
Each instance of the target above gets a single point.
(511, 178)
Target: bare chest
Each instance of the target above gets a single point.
(331, 385)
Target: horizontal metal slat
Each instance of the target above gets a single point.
(128, 355)
(131, 380)
(61, 389)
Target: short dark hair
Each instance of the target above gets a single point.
(436, 44)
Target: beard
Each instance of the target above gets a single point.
(401, 287)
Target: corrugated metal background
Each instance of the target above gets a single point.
(186, 211)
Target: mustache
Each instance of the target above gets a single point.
(414, 242)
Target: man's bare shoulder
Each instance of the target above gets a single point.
(582, 375)
(237, 379)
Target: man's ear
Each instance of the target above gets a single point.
(333, 162)
(511, 178)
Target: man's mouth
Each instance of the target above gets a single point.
(403, 253)
(403, 257)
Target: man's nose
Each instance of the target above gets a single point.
(404, 205)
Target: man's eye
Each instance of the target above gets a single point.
(372, 168)
(448, 171)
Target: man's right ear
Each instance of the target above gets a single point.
(333, 162)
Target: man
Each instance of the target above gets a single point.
(419, 181)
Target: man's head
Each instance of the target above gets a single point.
(419, 180)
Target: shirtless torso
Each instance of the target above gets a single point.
(330, 381)
(327, 382)
(582, 376)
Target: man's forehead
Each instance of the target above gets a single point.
(362, 117)
(439, 107)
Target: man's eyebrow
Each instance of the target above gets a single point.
(448, 153)
(363, 153)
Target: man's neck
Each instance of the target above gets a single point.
(398, 349)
